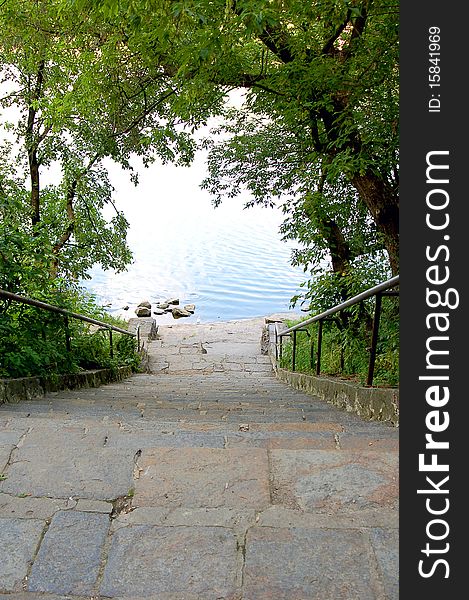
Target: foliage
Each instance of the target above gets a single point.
(321, 108)
(338, 242)
(33, 341)
(71, 96)
(318, 127)
(317, 132)
(345, 352)
(326, 289)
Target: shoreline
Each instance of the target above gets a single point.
(168, 319)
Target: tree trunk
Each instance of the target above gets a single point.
(32, 143)
(338, 246)
(383, 205)
(35, 188)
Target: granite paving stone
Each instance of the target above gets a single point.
(170, 439)
(385, 543)
(308, 564)
(279, 516)
(294, 428)
(70, 554)
(203, 477)
(34, 596)
(363, 441)
(76, 436)
(5, 452)
(323, 480)
(148, 560)
(94, 506)
(234, 518)
(260, 368)
(206, 478)
(18, 542)
(323, 441)
(100, 473)
(32, 508)
(232, 349)
(10, 437)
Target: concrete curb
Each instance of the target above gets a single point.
(370, 403)
(374, 404)
(27, 388)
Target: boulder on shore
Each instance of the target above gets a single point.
(143, 311)
(180, 312)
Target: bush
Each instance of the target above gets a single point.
(345, 348)
(33, 341)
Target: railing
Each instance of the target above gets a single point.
(69, 314)
(379, 291)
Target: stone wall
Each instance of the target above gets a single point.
(27, 388)
(370, 403)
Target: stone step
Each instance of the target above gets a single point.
(261, 416)
(196, 486)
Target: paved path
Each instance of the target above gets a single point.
(206, 480)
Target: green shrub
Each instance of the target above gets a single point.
(33, 341)
(345, 348)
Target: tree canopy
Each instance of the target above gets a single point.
(317, 132)
(69, 101)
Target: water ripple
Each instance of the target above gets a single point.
(230, 262)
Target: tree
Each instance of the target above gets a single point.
(70, 98)
(274, 164)
(327, 70)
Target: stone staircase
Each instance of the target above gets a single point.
(205, 479)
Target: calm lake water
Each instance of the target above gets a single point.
(229, 262)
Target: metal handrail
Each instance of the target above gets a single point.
(378, 291)
(386, 285)
(68, 313)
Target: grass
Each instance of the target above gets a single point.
(345, 354)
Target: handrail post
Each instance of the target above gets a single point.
(138, 338)
(318, 354)
(294, 351)
(311, 354)
(374, 340)
(111, 349)
(67, 335)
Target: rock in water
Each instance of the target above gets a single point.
(143, 311)
(180, 312)
(145, 304)
(190, 308)
(158, 311)
(172, 301)
(162, 305)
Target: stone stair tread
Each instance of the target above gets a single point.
(150, 474)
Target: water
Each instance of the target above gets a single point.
(229, 262)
